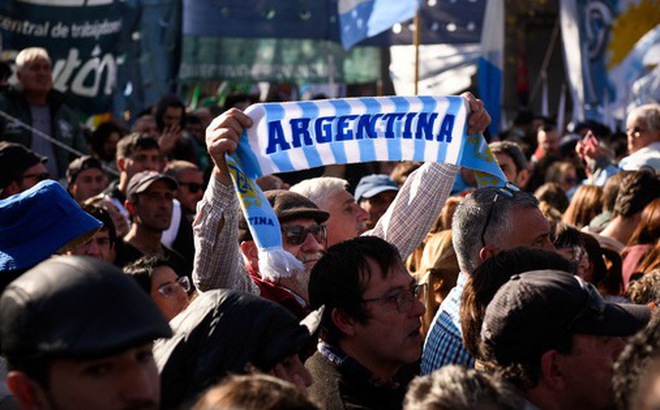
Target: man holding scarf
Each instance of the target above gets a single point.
(222, 262)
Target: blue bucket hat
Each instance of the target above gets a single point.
(38, 222)
(372, 185)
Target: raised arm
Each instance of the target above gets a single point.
(218, 261)
(420, 200)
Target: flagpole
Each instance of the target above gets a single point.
(416, 37)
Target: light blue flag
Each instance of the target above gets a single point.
(491, 62)
(300, 135)
(360, 19)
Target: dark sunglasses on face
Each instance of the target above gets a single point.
(192, 186)
(296, 234)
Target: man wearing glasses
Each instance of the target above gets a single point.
(179, 236)
(370, 327)
(20, 169)
(408, 221)
(564, 357)
(488, 221)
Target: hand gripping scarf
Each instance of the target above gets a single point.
(307, 134)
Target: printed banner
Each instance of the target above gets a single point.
(307, 134)
(276, 60)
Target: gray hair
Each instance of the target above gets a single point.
(471, 217)
(320, 190)
(457, 388)
(650, 114)
(30, 54)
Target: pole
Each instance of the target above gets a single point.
(416, 38)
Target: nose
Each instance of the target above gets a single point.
(92, 249)
(307, 376)
(139, 383)
(618, 344)
(418, 308)
(311, 244)
(361, 213)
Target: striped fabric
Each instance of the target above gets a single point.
(292, 136)
(306, 134)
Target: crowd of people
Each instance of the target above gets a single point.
(130, 278)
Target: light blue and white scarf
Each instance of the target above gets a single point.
(307, 134)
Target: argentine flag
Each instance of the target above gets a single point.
(491, 62)
(360, 19)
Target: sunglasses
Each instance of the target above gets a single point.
(192, 186)
(507, 191)
(296, 234)
(403, 299)
(169, 289)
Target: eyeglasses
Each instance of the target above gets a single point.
(42, 176)
(634, 130)
(403, 299)
(507, 191)
(296, 234)
(192, 186)
(169, 289)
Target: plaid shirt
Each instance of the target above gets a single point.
(218, 260)
(444, 343)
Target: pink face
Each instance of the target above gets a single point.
(166, 290)
(128, 379)
(389, 338)
(347, 219)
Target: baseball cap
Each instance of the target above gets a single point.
(372, 185)
(38, 222)
(535, 309)
(14, 160)
(141, 181)
(76, 307)
(80, 164)
(287, 206)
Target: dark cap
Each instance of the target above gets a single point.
(141, 181)
(15, 159)
(222, 332)
(38, 222)
(372, 185)
(287, 206)
(80, 164)
(76, 307)
(536, 309)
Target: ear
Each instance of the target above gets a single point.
(488, 251)
(343, 322)
(552, 374)
(522, 178)
(250, 253)
(130, 207)
(28, 393)
(121, 163)
(11, 189)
